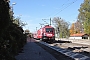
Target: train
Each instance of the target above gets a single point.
(46, 34)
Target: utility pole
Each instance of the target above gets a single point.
(36, 28)
(50, 21)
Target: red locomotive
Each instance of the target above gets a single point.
(46, 33)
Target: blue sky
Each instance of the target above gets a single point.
(33, 11)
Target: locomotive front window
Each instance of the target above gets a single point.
(49, 29)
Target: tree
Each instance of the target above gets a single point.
(12, 38)
(27, 32)
(18, 22)
(84, 15)
(72, 29)
(4, 15)
(79, 27)
(61, 27)
(76, 27)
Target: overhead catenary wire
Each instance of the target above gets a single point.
(63, 8)
(51, 14)
(60, 7)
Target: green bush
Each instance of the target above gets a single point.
(12, 38)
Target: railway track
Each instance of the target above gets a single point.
(72, 50)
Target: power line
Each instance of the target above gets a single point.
(51, 14)
(61, 6)
(61, 9)
(65, 7)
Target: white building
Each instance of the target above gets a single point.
(79, 36)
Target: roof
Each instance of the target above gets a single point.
(79, 35)
(47, 26)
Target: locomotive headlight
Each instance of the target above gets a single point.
(44, 34)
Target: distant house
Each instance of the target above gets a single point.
(79, 36)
